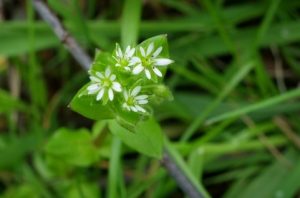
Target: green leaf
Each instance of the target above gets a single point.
(9, 103)
(146, 139)
(13, 153)
(22, 191)
(87, 106)
(72, 147)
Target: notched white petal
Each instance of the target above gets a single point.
(148, 75)
(107, 72)
(112, 77)
(127, 49)
(141, 97)
(116, 86)
(136, 90)
(93, 87)
(134, 60)
(142, 101)
(139, 108)
(157, 52)
(133, 109)
(157, 72)
(94, 79)
(110, 94)
(100, 94)
(99, 75)
(126, 95)
(119, 52)
(137, 69)
(142, 51)
(131, 52)
(163, 61)
(149, 49)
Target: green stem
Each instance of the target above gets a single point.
(182, 173)
(114, 168)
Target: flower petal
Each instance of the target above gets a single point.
(142, 101)
(157, 52)
(163, 61)
(150, 49)
(100, 94)
(127, 68)
(133, 109)
(136, 90)
(100, 75)
(126, 95)
(148, 75)
(134, 60)
(94, 79)
(112, 77)
(110, 94)
(131, 52)
(127, 49)
(143, 52)
(157, 72)
(107, 72)
(141, 97)
(126, 106)
(93, 87)
(119, 52)
(139, 108)
(137, 69)
(116, 86)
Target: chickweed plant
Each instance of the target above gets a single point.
(125, 84)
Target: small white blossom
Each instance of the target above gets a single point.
(133, 101)
(149, 62)
(124, 59)
(104, 83)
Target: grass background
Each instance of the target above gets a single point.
(234, 118)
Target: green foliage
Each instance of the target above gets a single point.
(8, 103)
(146, 138)
(236, 72)
(72, 147)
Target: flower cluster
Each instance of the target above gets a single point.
(124, 77)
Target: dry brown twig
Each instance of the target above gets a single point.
(69, 42)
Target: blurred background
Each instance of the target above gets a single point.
(234, 119)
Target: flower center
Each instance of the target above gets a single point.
(124, 62)
(147, 62)
(131, 101)
(106, 82)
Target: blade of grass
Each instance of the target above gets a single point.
(215, 14)
(188, 175)
(263, 79)
(241, 73)
(130, 22)
(255, 107)
(114, 168)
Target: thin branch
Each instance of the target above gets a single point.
(186, 186)
(69, 42)
(84, 60)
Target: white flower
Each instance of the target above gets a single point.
(133, 101)
(149, 62)
(104, 84)
(124, 59)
